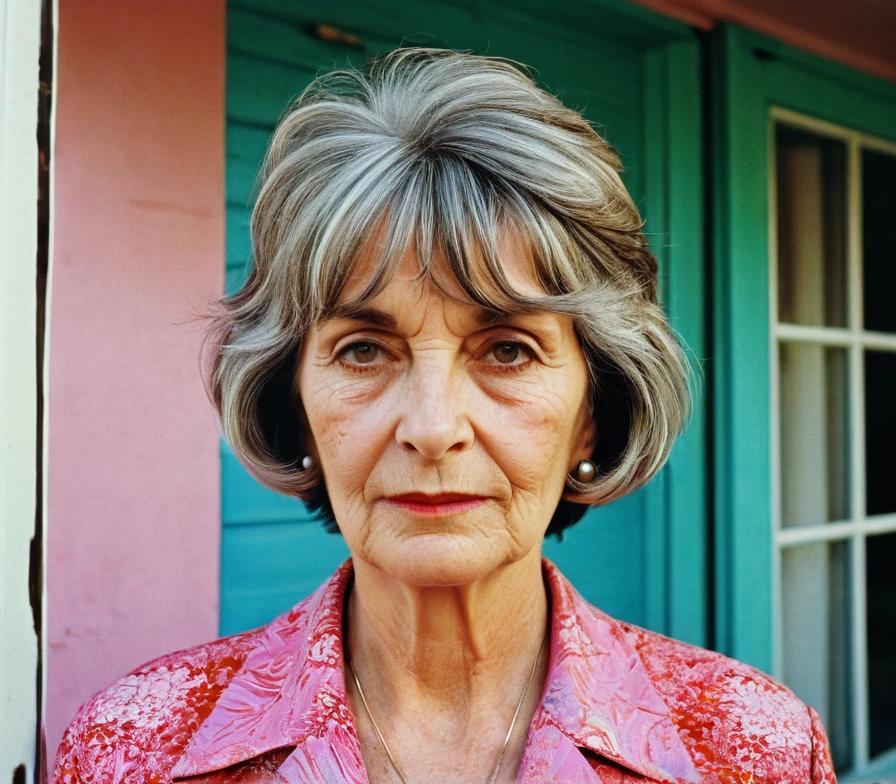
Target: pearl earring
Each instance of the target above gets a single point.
(585, 471)
(307, 462)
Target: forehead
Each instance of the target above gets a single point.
(514, 255)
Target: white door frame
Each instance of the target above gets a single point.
(20, 46)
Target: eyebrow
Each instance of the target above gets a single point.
(368, 315)
(491, 318)
(351, 312)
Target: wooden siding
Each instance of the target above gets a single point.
(632, 74)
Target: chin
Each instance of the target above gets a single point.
(430, 560)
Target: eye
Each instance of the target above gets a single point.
(510, 353)
(361, 353)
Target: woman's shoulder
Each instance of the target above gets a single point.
(137, 728)
(689, 677)
(726, 715)
(142, 722)
(696, 676)
(731, 713)
(144, 719)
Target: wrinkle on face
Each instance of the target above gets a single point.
(435, 417)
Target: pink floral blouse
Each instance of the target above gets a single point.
(620, 705)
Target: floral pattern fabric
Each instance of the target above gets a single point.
(620, 705)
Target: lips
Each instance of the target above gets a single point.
(435, 500)
(437, 504)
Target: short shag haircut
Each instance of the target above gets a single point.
(443, 151)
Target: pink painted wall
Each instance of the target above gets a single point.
(133, 517)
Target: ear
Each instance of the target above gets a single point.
(583, 446)
(308, 445)
(586, 436)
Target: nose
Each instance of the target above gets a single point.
(434, 415)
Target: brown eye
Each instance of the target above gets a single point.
(509, 352)
(360, 353)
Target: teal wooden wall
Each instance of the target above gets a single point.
(752, 74)
(634, 74)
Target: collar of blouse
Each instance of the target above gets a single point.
(290, 691)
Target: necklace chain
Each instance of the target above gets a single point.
(497, 769)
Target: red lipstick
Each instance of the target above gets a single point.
(438, 505)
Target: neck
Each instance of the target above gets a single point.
(453, 649)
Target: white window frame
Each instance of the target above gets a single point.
(856, 341)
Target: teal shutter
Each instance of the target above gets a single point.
(633, 73)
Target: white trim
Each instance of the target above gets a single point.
(836, 336)
(48, 392)
(774, 390)
(831, 336)
(878, 341)
(861, 730)
(796, 535)
(859, 650)
(831, 130)
(20, 32)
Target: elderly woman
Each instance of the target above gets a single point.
(449, 345)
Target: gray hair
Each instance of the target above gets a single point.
(446, 150)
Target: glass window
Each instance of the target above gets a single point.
(878, 251)
(880, 431)
(811, 186)
(816, 635)
(881, 591)
(813, 427)
(834, 360)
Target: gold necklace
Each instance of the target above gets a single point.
(491, 779)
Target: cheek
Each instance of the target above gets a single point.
(346, 431)
(532, 437)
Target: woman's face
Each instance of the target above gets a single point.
(444, 439)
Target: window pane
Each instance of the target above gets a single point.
(815, 616)
(814, 434)
(879, 257)
(880, 431)
(880, 555)
(811, 213)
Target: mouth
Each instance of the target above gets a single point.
(436, 505)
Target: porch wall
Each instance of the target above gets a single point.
(133, 510)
